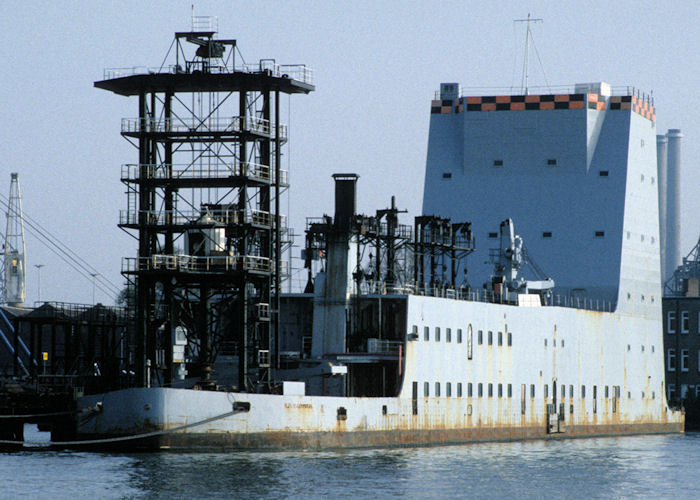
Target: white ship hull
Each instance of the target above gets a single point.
(583, 349)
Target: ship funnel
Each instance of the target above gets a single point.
(673, 202)
(661, 143)
(345, 199)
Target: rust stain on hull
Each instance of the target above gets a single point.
(276, 440)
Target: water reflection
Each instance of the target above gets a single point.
(580, 468)
(644, 466)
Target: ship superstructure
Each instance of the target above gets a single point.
(577, 172)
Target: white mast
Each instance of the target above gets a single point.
(13, 289)
(528, 35)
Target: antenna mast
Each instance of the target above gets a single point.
(13, 290)
(528, 35)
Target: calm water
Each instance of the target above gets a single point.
(645, 466)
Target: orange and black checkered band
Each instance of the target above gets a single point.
(640, 106)
(525, 102)
(540, 102)
(441, 107)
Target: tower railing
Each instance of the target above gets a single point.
(198, 218)
(196, 264)
(256, 171)
(235, 124)
(298, 72)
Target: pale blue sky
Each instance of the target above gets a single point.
(376, 64)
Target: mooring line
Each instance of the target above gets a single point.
(122, 438)
(53, 414)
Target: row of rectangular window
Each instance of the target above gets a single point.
(685, 322)
(685, 360)
(548, 234)
(480, 338)
(671, 388)
(551, 162)
(448, 334)
(509, 389)
(470, 392)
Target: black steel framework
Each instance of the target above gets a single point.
(203, 202)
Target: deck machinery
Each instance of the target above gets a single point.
(204, 205)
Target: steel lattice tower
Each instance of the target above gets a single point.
(13, 290)
(204, 205)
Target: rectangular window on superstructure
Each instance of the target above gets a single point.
(493, 236)
(447, 175)
(685, 357)
(414, 398)
(448, 335)
(470, 391)
(583, 391)
(595, 399)
(603, 173)
(671, 322)
(426, 333)
(437, 334)
(523, 393)
(459, 335)
(563, 391)
(497, 163)
(685, 321)
(500, 390)
(480, 389)
(490, 337)
(532, 390)
(671, 360)
(459, 389)
(546, 391)
(606, 392)
(547, 234)
(571, 391)
(480, 337)
(510, 390)
(426, 389)
(490, 390)
(500, 338)
(437, 389)
(552, 162)
(600, 234)
(510, 339)
(448, 389)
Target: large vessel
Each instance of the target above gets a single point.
(554, 331)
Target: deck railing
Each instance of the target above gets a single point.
(554, 300)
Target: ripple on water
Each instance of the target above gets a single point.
(640, 466)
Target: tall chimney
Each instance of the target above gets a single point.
(673, 201)
(345, 199)
(661, 143)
